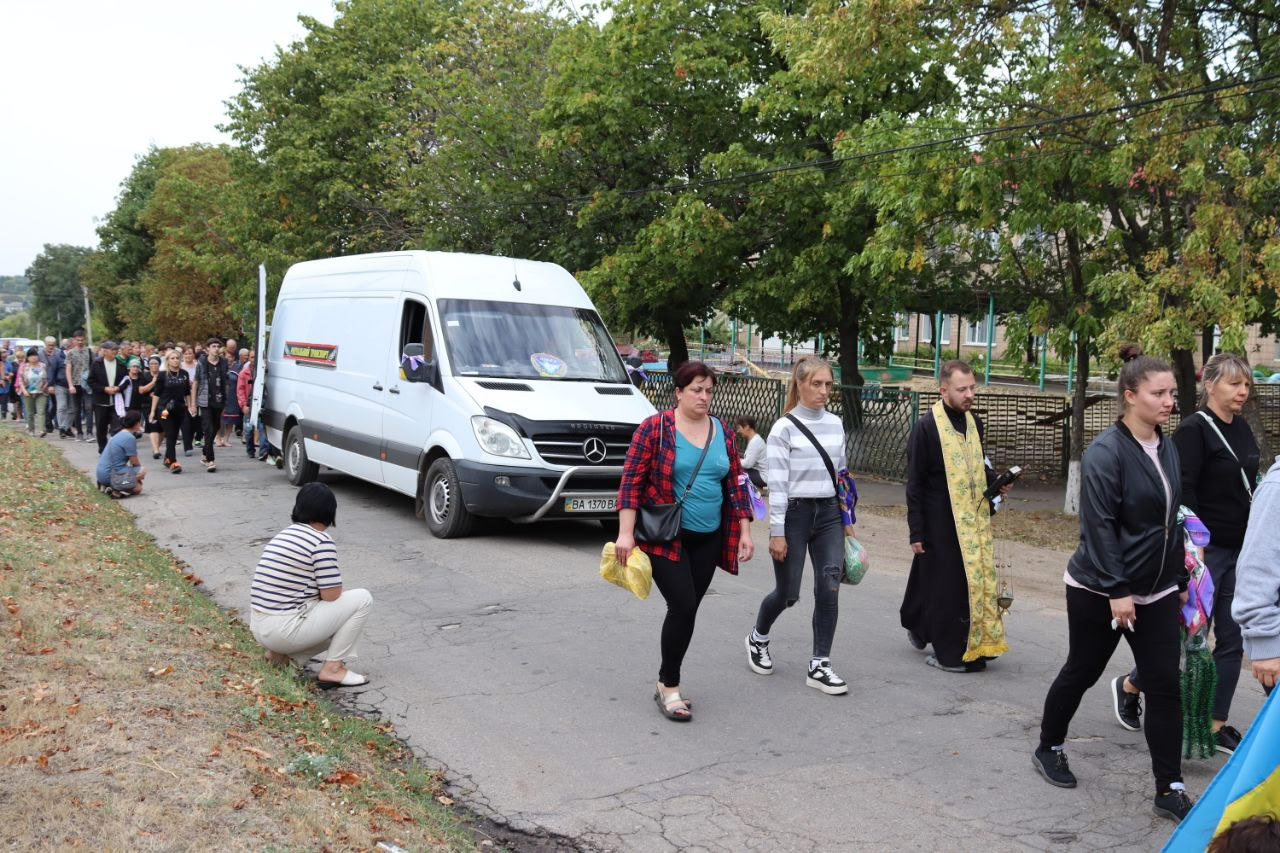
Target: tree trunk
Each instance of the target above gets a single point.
(1071, 505)
(1031, 349)
(1184, 373)
(673, 332)
(848, 325)
(1206, 344)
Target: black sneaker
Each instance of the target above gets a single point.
(1227, 739)
(914, 639)
(1052, 765)
(1173, 803)
(758, 657)
(823, 678)
(1127, 706)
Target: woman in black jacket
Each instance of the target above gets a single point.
(171, 402)
(1219, 458)
(1127, 577)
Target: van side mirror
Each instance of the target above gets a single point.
(416, 368)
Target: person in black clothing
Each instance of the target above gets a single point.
(1128, 569)
(935, 607)
(210, 392)
(170, 400)
(104, 381)
(154, 428)
(1219, 459)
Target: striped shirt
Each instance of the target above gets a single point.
(295, 565)
(796, 470)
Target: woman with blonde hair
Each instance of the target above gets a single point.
(1219, 465)
(805, 449)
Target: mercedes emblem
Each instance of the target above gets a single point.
(594, 450)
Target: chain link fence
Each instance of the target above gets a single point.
(1030, 430)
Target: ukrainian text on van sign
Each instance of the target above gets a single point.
(325, 355)
(609, 504)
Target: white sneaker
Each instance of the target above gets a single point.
(823, 678)
(758, 657)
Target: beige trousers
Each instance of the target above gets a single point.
(332, 627)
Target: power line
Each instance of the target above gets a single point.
(1010, 130)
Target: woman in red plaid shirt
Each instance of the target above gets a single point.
(663, 462)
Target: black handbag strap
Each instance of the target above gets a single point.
(711, 434)
(831, 469)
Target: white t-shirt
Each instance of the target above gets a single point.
(753, 456)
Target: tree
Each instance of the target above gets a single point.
(641, 102)
(395, 128)
(55, 286)
(114, 272)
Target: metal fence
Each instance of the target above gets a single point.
(1030, 430)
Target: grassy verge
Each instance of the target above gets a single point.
(1041, 528)
(134, 714)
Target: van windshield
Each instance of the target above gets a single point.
(516, 339)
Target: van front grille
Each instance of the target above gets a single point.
(566, 449)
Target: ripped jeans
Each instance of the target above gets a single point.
(813, 525)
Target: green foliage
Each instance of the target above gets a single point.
(58, 301)
(19, 325)
(14, 286)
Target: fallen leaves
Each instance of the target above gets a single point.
(444, 801)
(154, 672)
(11, 604)
(345, 778)
(391, 813)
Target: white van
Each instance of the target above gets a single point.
(480, 386)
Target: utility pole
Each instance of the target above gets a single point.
(88, 325)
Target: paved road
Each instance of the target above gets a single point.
(505, 659)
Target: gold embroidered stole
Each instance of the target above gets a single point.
(966, 481)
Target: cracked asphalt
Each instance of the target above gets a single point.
(506, 661)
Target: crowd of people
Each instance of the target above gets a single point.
(197, 393)
(1131, 565)
(685, 501)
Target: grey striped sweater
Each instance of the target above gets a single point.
(795, 468)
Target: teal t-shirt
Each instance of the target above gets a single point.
(701, 510)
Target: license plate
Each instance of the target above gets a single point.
(591, 504)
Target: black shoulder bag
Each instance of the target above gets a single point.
(661, 522)
(831, 469)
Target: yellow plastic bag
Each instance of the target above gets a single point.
(636, 575)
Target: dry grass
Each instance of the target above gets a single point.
(134, 714)
(1041, 528)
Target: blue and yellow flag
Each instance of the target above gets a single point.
(1247, 785)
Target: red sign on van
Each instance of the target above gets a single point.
(325, 355)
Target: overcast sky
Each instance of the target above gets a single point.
(88, 86)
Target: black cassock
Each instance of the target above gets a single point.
(936, 604)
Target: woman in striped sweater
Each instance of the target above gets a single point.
(804, 515)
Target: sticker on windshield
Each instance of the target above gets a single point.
(548, 365)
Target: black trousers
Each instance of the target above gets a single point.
(104, 417)
(210, 422)
(173, 425)
(683, 583)
(1228, 646)
(1156, 644)
(188, 423)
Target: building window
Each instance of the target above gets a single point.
(901, 329)
(926, 331)
(976, 332)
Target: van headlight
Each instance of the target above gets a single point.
(497, 438)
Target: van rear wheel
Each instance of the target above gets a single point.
(297, 467)
(447, 516)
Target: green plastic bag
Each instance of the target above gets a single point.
(856, 561)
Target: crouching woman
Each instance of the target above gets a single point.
(300, 609)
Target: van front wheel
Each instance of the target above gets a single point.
(447, 516)
(297, 467)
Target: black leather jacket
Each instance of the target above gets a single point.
(1130, 539)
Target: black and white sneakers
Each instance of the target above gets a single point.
(1127, 706)
(758, 657)
(822, 677)
(1052, 765)
(1173, 803)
